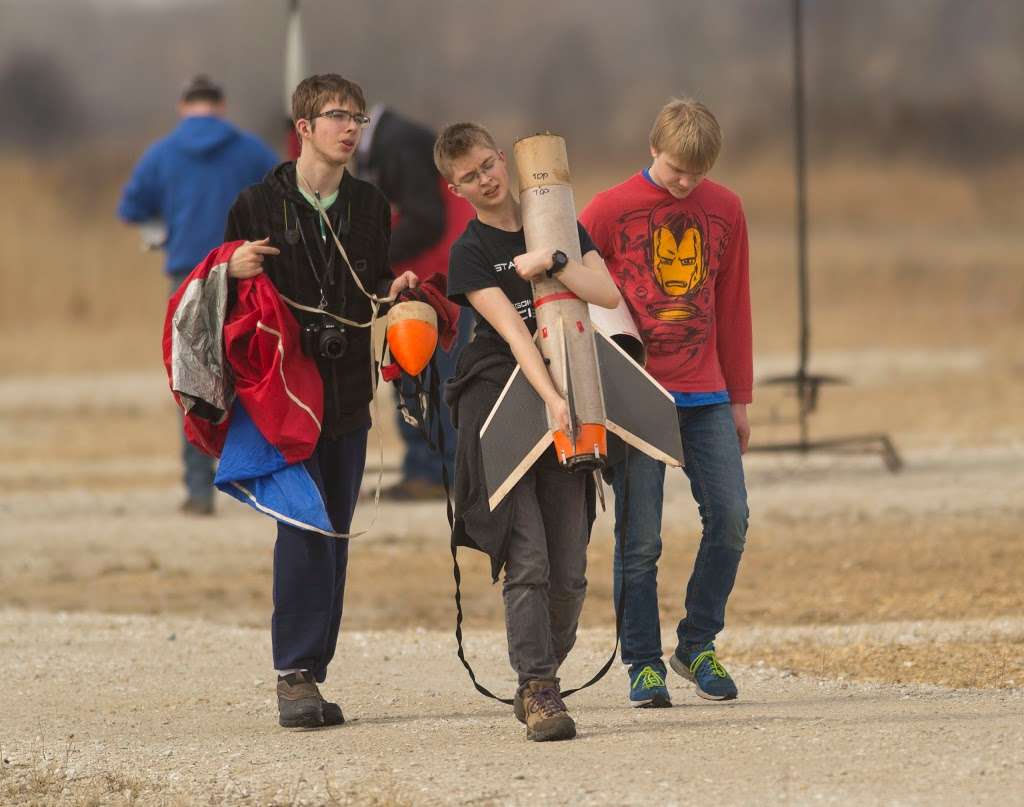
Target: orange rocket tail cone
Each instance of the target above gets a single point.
(588, 452)
(412, 335)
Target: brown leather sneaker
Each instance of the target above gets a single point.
(295, 693)
(546, 715)
(299, 703)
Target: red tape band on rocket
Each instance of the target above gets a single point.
(550, 298)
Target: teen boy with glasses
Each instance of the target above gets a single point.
(539, 532)
(287, 238)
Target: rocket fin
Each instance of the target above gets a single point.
(639, 410)
(514, 435)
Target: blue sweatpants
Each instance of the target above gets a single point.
(309, 568)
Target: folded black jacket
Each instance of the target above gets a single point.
(483, 368)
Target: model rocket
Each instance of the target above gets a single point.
(611, 398)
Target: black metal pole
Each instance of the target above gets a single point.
(800, 146)
(807, 384)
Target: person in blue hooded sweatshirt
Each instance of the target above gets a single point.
(180, 193)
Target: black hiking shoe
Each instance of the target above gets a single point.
(332, 714)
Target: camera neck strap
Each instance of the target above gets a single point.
(375, 305)
(375, 301)
(312, 264)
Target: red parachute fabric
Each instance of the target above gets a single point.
(277, 383)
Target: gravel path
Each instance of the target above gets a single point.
(103, 709)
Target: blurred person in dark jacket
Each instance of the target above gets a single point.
(397, 155)
(180, 193)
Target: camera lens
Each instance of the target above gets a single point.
(333, 348)
(332, 341)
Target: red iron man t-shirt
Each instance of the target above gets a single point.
(682, 267)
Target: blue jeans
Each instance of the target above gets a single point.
(715, 470)
(420, 460)
(199, 468)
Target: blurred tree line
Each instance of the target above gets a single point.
(937, 79)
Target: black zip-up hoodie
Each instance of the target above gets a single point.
(362, 220)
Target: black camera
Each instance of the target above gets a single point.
(325, 338)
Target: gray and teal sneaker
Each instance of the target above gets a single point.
(703, 668)
(647, 689)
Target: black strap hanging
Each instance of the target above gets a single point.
(432, 417)
(618, 605)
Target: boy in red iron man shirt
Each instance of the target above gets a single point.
(675, 243)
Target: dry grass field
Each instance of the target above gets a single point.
(851, 573)
(917, 299)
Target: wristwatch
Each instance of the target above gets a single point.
(559, 260)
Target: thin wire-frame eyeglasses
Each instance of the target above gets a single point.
(343, 116)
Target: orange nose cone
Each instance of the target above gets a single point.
(412, 335)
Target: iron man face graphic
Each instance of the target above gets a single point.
(680, 265)
(667, 278)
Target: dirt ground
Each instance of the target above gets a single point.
(174, 711)
(876, 631)
(876, 615)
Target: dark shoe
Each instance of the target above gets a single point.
(518, 709)
(701, 666)
(647, 688)
(546, 716)
(197, 507)
(332, 714)
(299, 703)
(413, 490)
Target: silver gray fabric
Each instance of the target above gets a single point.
(199, 369)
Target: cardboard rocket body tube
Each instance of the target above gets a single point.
(607, 391)
(564, 333)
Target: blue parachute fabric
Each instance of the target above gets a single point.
(253, 471)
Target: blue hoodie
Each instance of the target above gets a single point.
(189, 180)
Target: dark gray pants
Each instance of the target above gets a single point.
(545, 571)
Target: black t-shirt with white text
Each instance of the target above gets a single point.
(482, 258)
